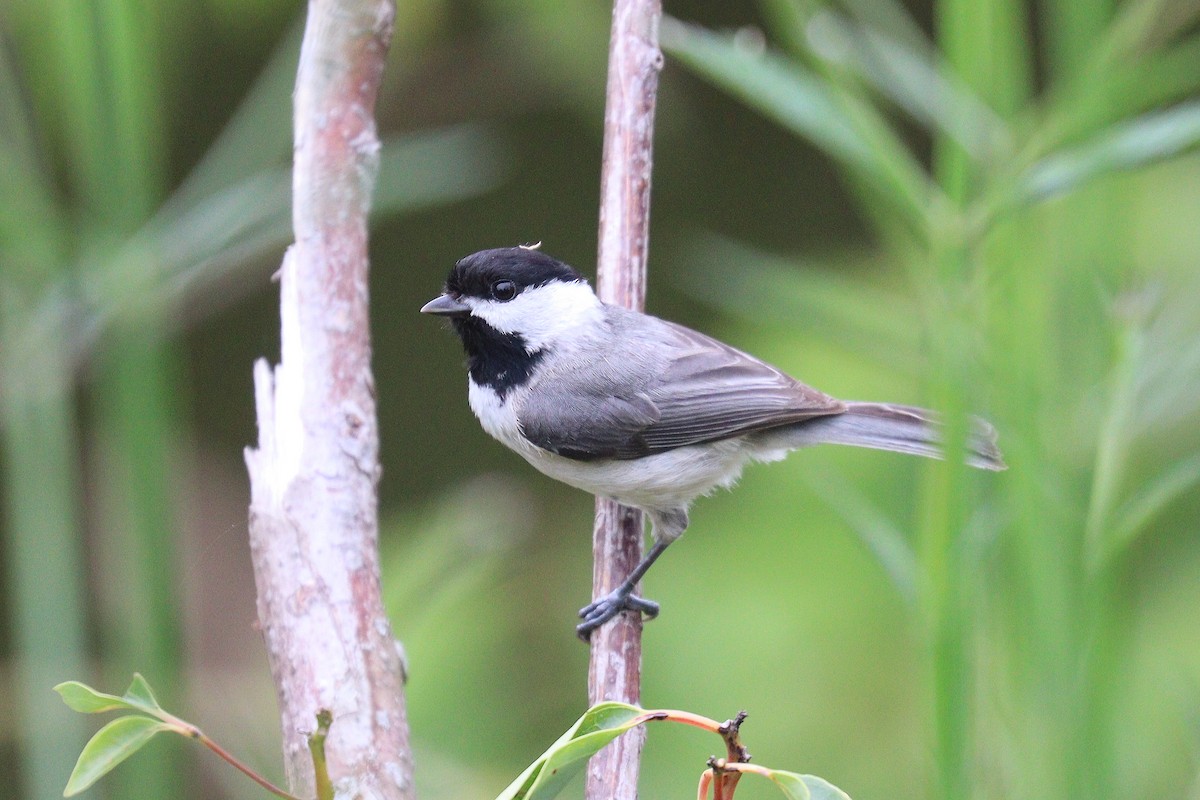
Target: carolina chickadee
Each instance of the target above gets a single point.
(629, 406)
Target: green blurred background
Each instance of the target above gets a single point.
(979, 205)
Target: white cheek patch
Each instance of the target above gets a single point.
(543, 313)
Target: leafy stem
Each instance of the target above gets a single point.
(125, 735)
(604, 722)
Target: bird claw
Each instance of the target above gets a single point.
(602, 610)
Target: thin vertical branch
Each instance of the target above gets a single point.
(313, 508)
(634, 61)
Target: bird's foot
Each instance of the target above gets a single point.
(601, 611)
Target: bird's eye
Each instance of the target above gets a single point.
(504, 291)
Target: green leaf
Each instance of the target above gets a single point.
(32, 227)
(141, 696)
(848, 129)
(111, 745)
(258, 138)
(194, 245)
(1126, 77)
(437, 166)
(546, 776)
(874, 528)
(1155, 495)
(1149, 138)
(779, 88)
(915, 80)
(806, 787)
(86, 700)
(812, 297)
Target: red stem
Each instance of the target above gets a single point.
(229, 758)
(682, 717)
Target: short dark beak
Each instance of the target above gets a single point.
(446, 306)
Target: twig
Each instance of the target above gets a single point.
(634, 61)
(313, 512)
(722, 777)
(234, 762)
(735, 753)
(185, 728)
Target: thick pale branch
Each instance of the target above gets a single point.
(634, 61)
(313, 515)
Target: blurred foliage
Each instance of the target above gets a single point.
(552, 771)
(982, 205)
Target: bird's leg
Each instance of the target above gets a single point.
(622, 598)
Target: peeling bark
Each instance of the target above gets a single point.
(313, 476)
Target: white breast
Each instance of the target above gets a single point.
(498, 417)
(662, 481)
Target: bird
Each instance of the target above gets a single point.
(626, 405)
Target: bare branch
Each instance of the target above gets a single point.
(634, 61)
(313, 514)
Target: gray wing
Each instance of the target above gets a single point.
(665, 386)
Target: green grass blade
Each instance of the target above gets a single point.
(199, 242)
(124, 155)
(61, 36)
(915, 81)
(1160, 77)
(1073, 28)
(817, 298)
(882, 537)
(135, 151)
(440, 166)
(1152, 137)
(32, 228)
(787, 19)
(134, 398)
(258, 137)
(1134, 66)
(893, 17)
(191, 247)
(840, 124)
(44, 563)
(1135, 514)
(98, 85)
(985, 44)
(1120, 90)
(1141, 25)
(136, 418)
(1113, 445)
(781, 89)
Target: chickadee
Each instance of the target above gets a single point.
(632, 407)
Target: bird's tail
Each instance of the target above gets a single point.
(902, 429)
